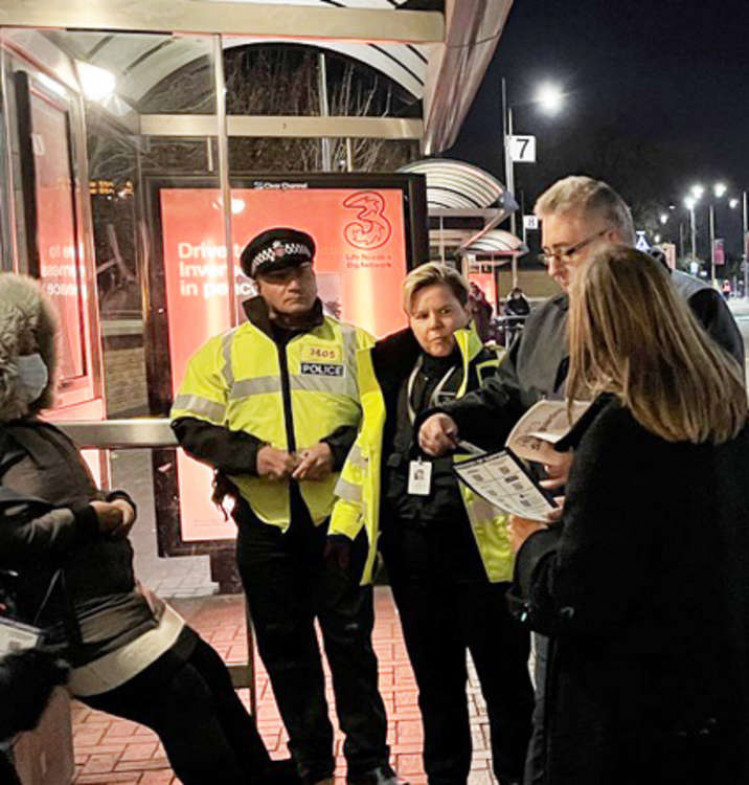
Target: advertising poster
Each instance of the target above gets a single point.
(58, 258)
(360, 263)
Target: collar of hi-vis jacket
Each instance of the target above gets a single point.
(394, 356)
(258, 315)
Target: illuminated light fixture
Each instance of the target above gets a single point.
(690, 202)
(550, 98)
(53, 85)
(697, 192)
(657, 239)
(719, 189)
(664, 218)
(733, 204)
(96, 83)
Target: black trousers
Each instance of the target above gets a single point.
(191, 704)
(288, 586)
(447, 608)
(535, 765)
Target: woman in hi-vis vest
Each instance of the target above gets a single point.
(446, 552)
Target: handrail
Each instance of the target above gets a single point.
(133, 434)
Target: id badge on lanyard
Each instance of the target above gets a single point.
(419, 478)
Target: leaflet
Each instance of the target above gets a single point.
(501, 479)
(544, 424)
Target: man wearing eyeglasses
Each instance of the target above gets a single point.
(579, 215)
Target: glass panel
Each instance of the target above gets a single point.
(49, 215)
(59, 265)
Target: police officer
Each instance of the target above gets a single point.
(273, 406)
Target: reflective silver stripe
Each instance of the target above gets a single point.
(337, 385)
(226, 342)
(349, 342)
(348, 491)
(356, 458)
(350, 348)
(194, 404)
(262, 385)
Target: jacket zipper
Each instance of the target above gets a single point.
(286, 395)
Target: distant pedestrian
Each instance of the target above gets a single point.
(480, 310)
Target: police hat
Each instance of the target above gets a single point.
(277, 249)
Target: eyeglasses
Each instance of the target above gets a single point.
(565, 254)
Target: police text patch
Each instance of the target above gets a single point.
(322, 369)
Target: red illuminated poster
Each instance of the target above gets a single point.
(360, 264)
(58, 257)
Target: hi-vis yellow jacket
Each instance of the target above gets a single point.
(288, 396)
(360, 486)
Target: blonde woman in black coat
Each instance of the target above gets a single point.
(643, 586)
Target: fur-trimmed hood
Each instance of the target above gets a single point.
(28, 324)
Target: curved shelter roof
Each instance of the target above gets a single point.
(456, 185)
(497, 241)
(437, 50)
(141, 61)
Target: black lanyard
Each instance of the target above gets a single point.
(435, 394)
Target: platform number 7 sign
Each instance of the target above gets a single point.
(523, 149)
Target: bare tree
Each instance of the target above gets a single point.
(283, 80)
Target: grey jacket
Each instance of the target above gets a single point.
(536, 365)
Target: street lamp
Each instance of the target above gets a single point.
(690, 202)
(549, 98)
(719, 189)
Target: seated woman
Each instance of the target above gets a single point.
(447, 554)
(131, 654)
(643, 586)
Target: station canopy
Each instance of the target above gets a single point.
(140, 62)
(456, 185)
(465, 203)
(436, 50)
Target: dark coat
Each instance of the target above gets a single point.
(644, 591)
(58, 532)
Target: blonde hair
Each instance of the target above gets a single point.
(430, 274)
(631, 334)
(590, 198)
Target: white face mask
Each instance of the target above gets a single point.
(34, 375)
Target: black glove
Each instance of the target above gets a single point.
(26, 683)
(337, 552)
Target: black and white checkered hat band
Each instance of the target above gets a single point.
(278, 252)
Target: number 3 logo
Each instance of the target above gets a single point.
(371, 229)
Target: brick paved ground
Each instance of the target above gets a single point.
(109, 750)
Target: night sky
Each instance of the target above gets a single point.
(658, 97)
